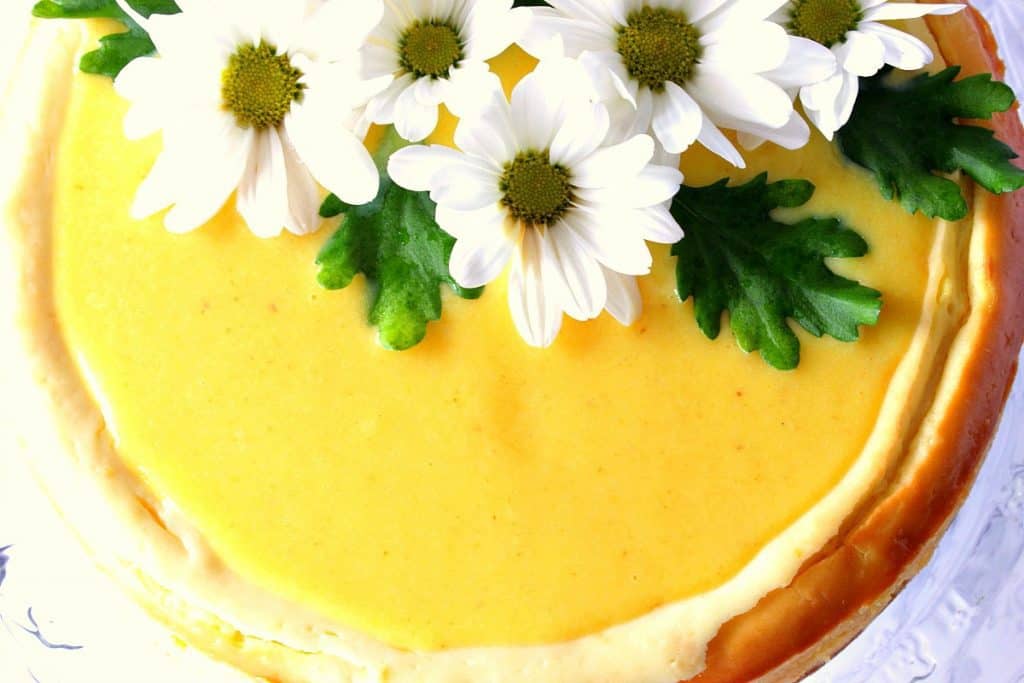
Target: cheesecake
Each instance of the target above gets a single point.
(636, 502)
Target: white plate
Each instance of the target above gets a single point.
(961, 619)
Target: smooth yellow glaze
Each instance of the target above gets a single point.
(472, 490)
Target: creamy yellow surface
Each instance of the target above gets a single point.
(471, 491)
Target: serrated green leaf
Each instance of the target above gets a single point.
(737, 258)
(116, 50)
(333, 206)
(906, 133)
(397, 244)
(77, 9)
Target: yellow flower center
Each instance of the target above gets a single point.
(824, 21)
(260, 86)
(430, 49)
(659, 45)
(535, 190)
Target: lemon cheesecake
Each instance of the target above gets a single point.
(633, 503)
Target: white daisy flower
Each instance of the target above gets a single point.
(437, 51)
(862, 46)
(687, 67)
(259, 96)
(536, 186)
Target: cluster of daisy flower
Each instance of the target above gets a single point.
(562, 185)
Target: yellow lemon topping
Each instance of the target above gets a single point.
(473, 490)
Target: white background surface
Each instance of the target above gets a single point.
(960, 620)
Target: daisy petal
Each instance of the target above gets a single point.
(822, 94)
(806, 62)
(533, 299)
(862, 54)
(478, 260)
(585, 128)
(203, 194)
(607, 76)
(276, 22)
(381, 109)
(549, 35)
(757, 10)
(677, 119)
(624, 301)
(627, 88)
(608, 165)
(416, 166)
(464, 187)
(610, 237)
(191, 37)
(141, 122)
(431, 91)
(379, 60)
(829, 104)
(793, 135)
(584, 282)
(743, 96)
(473, 88)
(263, 192)
(536, 114)
(847, 98)
(711, 14)
(144, 83)
(492, 27)
(336, 25)
(337, 159)
(488, 137)
(715, 141)
(908, 10)
(414, 120)
(160, 187)
(729, 48)
(602, 12)
(466, 224)
(653, 185)
(902, 50)
(658, 225)
(303, 215)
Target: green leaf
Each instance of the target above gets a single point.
(116, 50)
(737, 258)
(397, 244)
(333, 206)
(906, 133)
